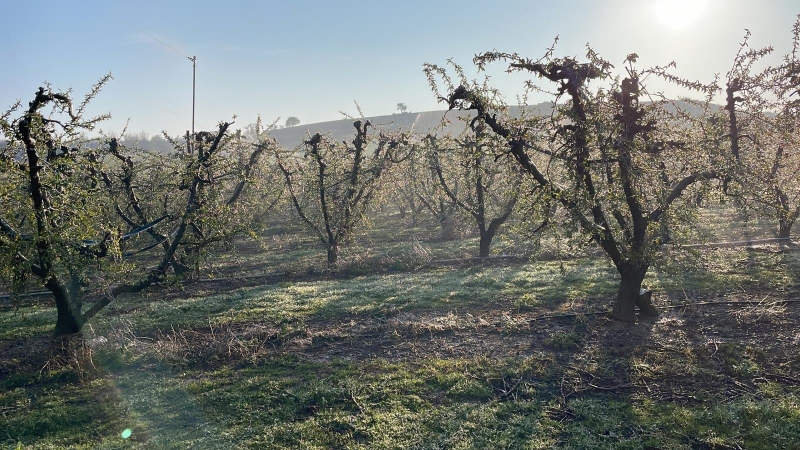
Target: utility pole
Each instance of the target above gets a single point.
(193, 59)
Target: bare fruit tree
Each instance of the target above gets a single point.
(70, 203)
(490, 189)
(619, 166)
(762, 128)
(52, 221)
(332, 185)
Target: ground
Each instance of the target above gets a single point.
(398, 350)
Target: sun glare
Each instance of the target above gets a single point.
(679, 13)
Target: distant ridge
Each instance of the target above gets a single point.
(421, 123)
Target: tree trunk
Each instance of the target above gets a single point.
(487, 234)
(486, 242)
(68, 321)
(333, 253)
(631, 295)
(785, 229)
(449, 227)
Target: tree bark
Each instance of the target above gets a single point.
(486, 242)
(69, 320)
(333, 253)
(631, 295)
(785, 228)
(487, 234)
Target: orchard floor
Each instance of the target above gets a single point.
(500, 354)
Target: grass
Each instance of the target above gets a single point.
(581, 284)
(285, 402)
(396, 352)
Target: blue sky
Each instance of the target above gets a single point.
(312, 59)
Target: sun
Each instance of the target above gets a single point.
(678, 14)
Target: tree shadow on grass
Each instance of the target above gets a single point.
(683, 380)
(378, 360)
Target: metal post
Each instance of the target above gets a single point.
(193, 59)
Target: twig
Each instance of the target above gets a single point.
(360, 408)
(782, 378)
(512, 388)
(612, 388)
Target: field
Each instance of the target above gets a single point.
(412, 344)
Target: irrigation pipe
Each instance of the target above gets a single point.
(681, 306)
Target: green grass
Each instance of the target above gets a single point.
(581, 284)
(27, 321)
(370, 295)
(284, 402)
(394, 352)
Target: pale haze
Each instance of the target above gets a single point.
(314, 59)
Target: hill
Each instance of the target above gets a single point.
(420, 123)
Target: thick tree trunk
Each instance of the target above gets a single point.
(333, 253)
(69, 320)
(486, 242)
(631, 295)
(785, 229)
(488, 233)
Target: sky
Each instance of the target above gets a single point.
(316, 59)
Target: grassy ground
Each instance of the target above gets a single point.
(396, 351)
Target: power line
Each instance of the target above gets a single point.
(193, 59)
(155, 39)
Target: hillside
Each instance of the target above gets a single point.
(417, 122)
(420, 123)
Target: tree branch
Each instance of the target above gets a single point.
(676, 192)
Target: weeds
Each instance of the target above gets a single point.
(398, 351)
